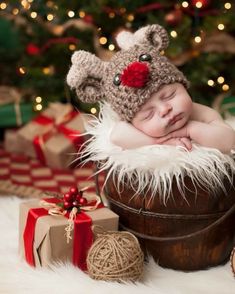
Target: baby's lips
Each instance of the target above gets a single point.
(175, 119)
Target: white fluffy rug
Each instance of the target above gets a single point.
(16, 277)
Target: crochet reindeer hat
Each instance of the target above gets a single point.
(132, 75)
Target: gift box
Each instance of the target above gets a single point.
(13, 111)
(49, 243)
(13, 115)
(54, 137)
(11, 141)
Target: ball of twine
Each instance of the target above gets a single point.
(115, 256)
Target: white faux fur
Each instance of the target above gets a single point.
(154, 166)
(16, 277)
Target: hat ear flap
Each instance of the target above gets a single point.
(154, 34)
(85, 76)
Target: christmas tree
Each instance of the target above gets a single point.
(39, 37)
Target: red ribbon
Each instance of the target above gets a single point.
(82, 239)
(29, 230)
(39, 140)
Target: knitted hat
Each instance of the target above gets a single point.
(132, 75)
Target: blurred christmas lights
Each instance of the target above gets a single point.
(221, 26)
(198, 4)
(38, 99)
(33, 14)
(38, 107)
(130, 17)
(3, 5)
(25, 4)
(211, 83)
(15, 11)
(50, 17)
(93, 110)
(72, 47)
(22, 70)
(82, 14)
(225, 87)
(123, 10)
(103, 40)
(220, 80)
(111, 15)
(71, 13)
(185, 4)
(173, 34)
(197, 39)
(227, 5)
(111, 47)
(46, 70)
(38, 103)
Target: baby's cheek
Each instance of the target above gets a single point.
(153, 130)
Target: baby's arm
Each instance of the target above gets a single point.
(127, 136)
(215, 135)
(208, 129)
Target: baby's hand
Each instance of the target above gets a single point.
(183, 142)
(177, 134)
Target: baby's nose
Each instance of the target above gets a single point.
(165, 109)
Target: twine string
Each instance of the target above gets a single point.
(70, 226)
(115, 256)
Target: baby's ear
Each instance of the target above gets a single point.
(154, 35)
(85, 76)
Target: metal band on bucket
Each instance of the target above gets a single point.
(232, 261)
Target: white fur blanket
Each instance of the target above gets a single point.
(155, 166)
(16, 277)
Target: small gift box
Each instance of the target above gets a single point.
(11, 141)
(13, 111)
(44, 233)
(15, 115)
(54, 137)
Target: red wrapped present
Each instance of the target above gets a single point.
(54, 137)
(45, 232)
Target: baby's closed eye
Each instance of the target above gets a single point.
(148, 115)
(168, 96)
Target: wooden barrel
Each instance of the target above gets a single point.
(187, 233)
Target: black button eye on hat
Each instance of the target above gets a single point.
(117, 80)
(145, 57)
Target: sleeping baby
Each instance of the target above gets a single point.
(170, 117)
(149, 94)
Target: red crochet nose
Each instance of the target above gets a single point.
(135, 75)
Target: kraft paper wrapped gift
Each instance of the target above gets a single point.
(11, 141)
(50, 244)
(57, 150)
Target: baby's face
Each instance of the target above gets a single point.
(166, 111)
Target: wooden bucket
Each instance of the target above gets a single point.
(183, 235)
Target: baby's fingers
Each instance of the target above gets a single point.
(163, 139)
(187, 143)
